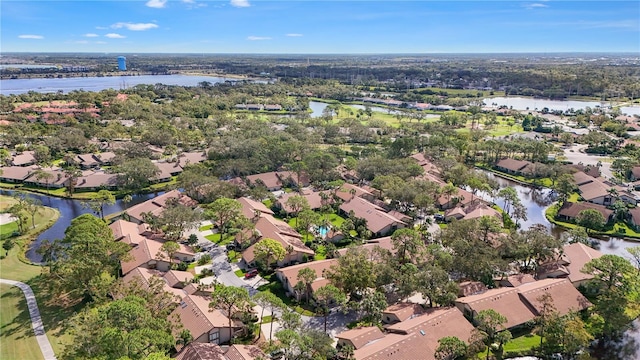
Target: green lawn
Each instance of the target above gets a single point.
(205, 228)
(17, 340)
(16, 267)
(519, 344)
(617, 229)
(267, 319)
(239, 273)
(216, 239)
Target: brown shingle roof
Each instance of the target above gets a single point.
(578, 255)
(175, 277)
(565, 296)
(376, 218)
(571, 209)
(250, 206)
(513, 164)
(244, 352)
(290, 273)
(16, 173)
(506, 301)
(96, 180)
(361, 336)
(201, 351)
(156, 205)
(313, 199)
(593, 190)
(518, 279)
(581, 178)
(404, 311)
(344, 192)
(196, 316)
(471, 288)
(25, 158)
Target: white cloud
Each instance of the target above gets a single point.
(257, 38)
(134, 26)
(101, 42)
(294, 35)
(115, 36)
(91, 35)
(535, 6)
(26, 36)
(158, 4)
(240, 3)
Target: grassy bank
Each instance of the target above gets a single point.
(544, 182)
(17, 332)
(618, 229)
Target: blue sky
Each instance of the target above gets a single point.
(307, 26)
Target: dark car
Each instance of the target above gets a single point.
(439, 217)
(251, 273)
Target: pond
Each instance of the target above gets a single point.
(21, 86)
(537, 200)
(69, 209)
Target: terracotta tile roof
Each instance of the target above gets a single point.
(361, 336)
(404, 311)
(196, 316)
(201, 351)
(565, 296)
(175, 277)
(377, 219)
(244, 352)
(504, 300)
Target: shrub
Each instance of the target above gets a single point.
(204, 259)
(183, 266)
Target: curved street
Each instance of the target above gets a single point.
(36, 320)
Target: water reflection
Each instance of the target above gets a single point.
(69, 209)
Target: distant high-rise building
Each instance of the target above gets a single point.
(122, 63)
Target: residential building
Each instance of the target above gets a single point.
(314, 199)
(16, 174)
(148, 253)
(570, 264)
(570, 211)
(359, 337)
(378, 221)
(401, 312)
(288, 276)
(25, 158)
(211, 351)
(513, 166)
(156, 205)
(206, 325)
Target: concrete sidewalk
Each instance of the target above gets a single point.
(36, 320)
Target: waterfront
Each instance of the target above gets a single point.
(522, 103)
(21, 86)
(69, 209)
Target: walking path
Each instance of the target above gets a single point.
(36, 320)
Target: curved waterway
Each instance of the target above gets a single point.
(69, 209)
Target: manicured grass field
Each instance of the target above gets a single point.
(54, 317)
(17, 340)
(522, 343)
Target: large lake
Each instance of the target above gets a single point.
(522, 103)
(21, 86)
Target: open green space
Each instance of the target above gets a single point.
(17, 340)
(215, 238)
(618, 229)
(205, 227)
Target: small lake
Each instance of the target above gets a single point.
(522, 103)
(537, 200)
(21, 86)
(69, 209)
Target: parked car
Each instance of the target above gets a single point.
(251, 273)
(439, 217)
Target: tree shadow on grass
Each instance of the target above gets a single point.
(55, 312)
(20, 327)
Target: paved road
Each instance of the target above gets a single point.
(36, 320)
(576, 154)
